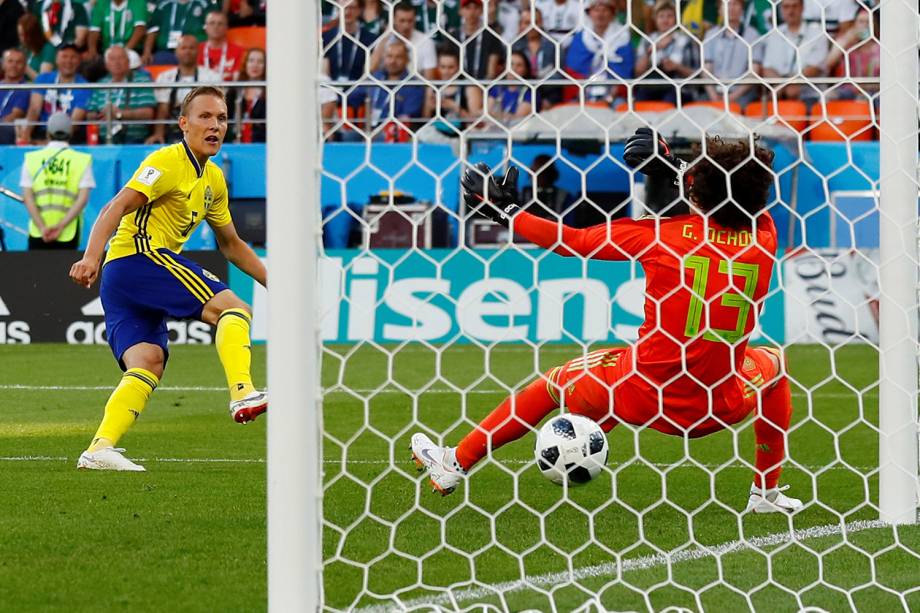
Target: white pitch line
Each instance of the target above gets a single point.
(54, 458)
(358, 391)
(734, 465)
(624, 566)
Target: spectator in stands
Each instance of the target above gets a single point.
(387, 105)
(505, 19)
(40, 54)
(856, 54)
(169, 101)
(426, 17)
(537, 47)
(667, 53)
(424, 57)
(247, 105)
(602, 48)
(758, 14)
(245, 12)
(696, 16)
(345, 48)
(217, 53)
(112, 107)
(120, 23)
(481, 49)
(13, 102)
(562, 18)
(63, 21)
(328, 100)
(455, 105)
(166, 26)
(837, 15)
(729, 53)
(44, 102)
(374, 17)
(544, 198)
(509, 104)
(10, 12)
(795, 49)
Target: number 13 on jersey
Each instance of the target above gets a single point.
(699, 267)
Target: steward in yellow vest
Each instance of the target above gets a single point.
(56, 182)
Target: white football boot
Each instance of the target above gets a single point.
(444, 472)
(247, 409)
(109, 458)
(772, 501)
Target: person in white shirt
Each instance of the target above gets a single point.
(729, 53)
(505, 17)
(169, 101)
(561, 18)
(837, 14)
(424, 57)
(795, 49)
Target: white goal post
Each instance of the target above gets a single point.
(898, 192)
(294, 160)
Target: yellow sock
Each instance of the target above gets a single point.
(233, 348)
(124, 406)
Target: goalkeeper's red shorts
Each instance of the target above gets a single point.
(604, 386)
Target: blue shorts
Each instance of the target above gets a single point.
(140, 291)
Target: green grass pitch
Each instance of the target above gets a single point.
(189, 535)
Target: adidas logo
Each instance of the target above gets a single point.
(13, 332)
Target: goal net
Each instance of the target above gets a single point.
(430, 315)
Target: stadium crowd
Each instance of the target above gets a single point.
(392, 68)
(127, 41)
(476, 65)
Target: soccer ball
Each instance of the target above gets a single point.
(571, 448)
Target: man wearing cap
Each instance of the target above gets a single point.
(55, 183)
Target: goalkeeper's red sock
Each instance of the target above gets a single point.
(770, 428)
(511, 420)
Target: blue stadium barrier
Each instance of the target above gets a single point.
(353, 173)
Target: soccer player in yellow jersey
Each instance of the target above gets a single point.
(144, 280)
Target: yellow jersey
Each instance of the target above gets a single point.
(180, 195)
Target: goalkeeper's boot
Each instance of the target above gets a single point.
(247, 409)
(772, 501)
(444, 472)
(108, 458)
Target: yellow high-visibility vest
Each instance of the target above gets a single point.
(56, 175)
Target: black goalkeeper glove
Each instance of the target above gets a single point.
(640, 149)
(495, 199)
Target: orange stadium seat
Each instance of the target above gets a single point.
(646, 106)
(156, 69)
(792, 112)
(733, 107)
(247, 37)
(846, 120)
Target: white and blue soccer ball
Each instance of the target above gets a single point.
(571, 448)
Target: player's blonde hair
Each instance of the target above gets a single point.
(204, 90)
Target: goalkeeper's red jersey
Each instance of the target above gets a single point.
(705, 285)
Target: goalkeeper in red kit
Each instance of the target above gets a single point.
(691, 372)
